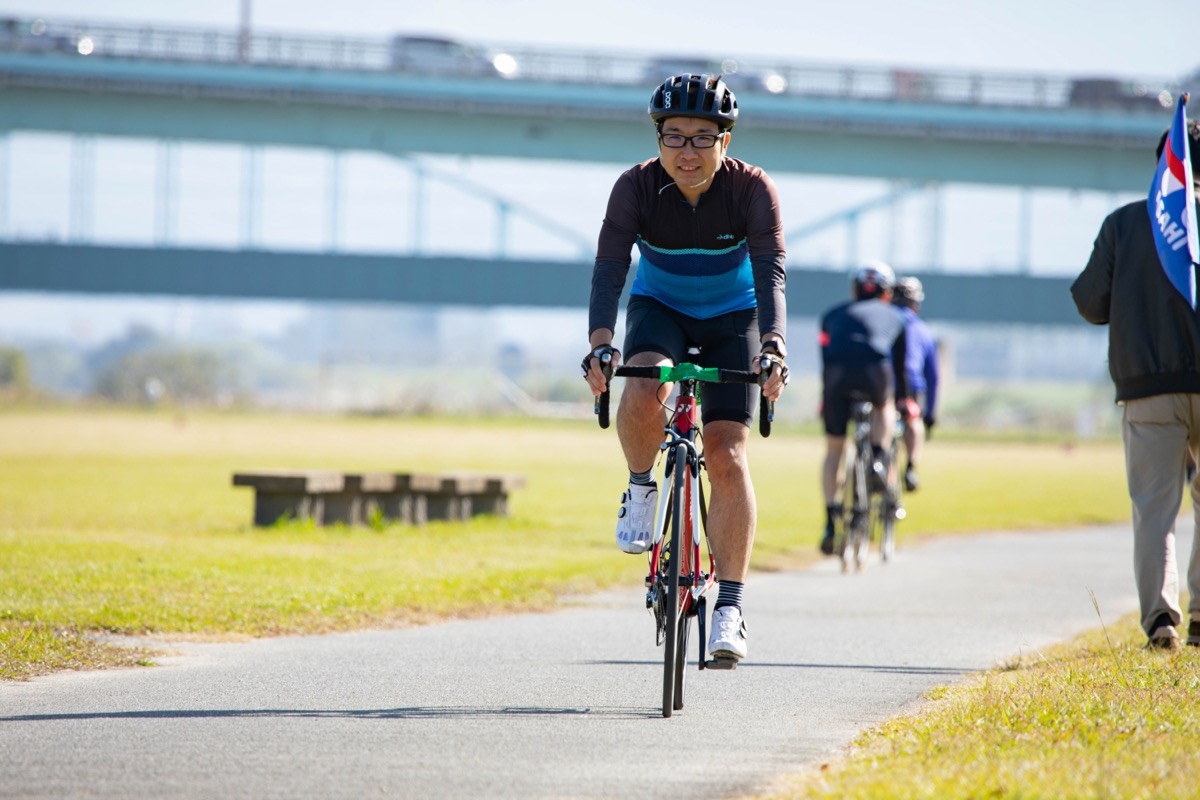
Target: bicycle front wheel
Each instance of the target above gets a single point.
(681, 645)
(674, 648)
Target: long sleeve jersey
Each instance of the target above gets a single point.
(724, 254)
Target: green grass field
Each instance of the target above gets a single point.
(126, 522)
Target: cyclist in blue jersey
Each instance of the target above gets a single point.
(861, 341)
(921, 369)
(711, 275)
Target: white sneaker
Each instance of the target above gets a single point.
(728, 637)
(635, 518)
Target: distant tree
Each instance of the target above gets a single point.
(14, 372)
(189, 376)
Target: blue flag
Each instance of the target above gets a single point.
(1172, 206)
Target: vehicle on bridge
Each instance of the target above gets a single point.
(435, 55)
(735, 77)
(1117, 93)
(36, 36)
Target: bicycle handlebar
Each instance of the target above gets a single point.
(686, 372)
(601, 407)
(692, 372)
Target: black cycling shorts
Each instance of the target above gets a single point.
(874, 380)
(730, 341)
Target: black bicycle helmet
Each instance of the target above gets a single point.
(703, 96)
(872, 279)
(909, 292)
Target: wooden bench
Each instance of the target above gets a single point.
(330, 498)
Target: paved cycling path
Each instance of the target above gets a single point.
(564, 704)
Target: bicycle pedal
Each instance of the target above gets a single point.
(721, 663)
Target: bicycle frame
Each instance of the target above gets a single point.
(680, 446)
(678, 574)
(873, 514)
(855, 528)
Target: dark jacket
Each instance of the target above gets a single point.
(1154, 335)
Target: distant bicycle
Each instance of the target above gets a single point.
(681, 564)
(871, 508)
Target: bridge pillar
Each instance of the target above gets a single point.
(251, 196)
(503, 212)
(80, 214)
(418, 208)
(895, 211)
(166, 205)
(935, 227)
(336, 198)
(1024, 230)
(852, 239)
(5, 185)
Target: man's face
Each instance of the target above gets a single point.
(692, 168)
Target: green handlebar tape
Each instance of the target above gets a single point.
(686, 371)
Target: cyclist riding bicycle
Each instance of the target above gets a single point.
(921, 370)
(711, 275)
(860, 341)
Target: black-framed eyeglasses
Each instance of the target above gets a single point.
(701, 141)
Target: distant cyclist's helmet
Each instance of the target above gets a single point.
(702, 96)
(909, 292)
(872, 279)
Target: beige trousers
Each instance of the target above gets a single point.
(1158, 432)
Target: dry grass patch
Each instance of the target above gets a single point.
(29, 649)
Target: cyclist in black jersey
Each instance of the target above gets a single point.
(861, 342)
(711, 275)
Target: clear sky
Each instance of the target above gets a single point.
(1065, 37)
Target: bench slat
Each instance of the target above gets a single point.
(328, 498)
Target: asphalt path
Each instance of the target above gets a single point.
(564, 704)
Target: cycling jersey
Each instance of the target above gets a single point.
(921, 361)
(863, 332)
(861, 342)
(724, 254)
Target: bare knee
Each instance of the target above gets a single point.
(725, 451)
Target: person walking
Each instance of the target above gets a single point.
(1154, 360)
(921, 370)
(709, 233)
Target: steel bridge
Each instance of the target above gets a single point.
(919, 130)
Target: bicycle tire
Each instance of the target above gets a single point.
(878, 514)
(887, 544)
(689, 552)
(675, 559)
(860, 530)
(681, 644)
(891, 506)
(844, 533)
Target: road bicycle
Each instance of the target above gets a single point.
(681, 564)
(871, 510)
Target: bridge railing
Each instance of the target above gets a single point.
(874, 82)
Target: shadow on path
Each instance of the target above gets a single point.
(415, 712)
(880, 668)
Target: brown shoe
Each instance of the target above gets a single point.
(1193, 639)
